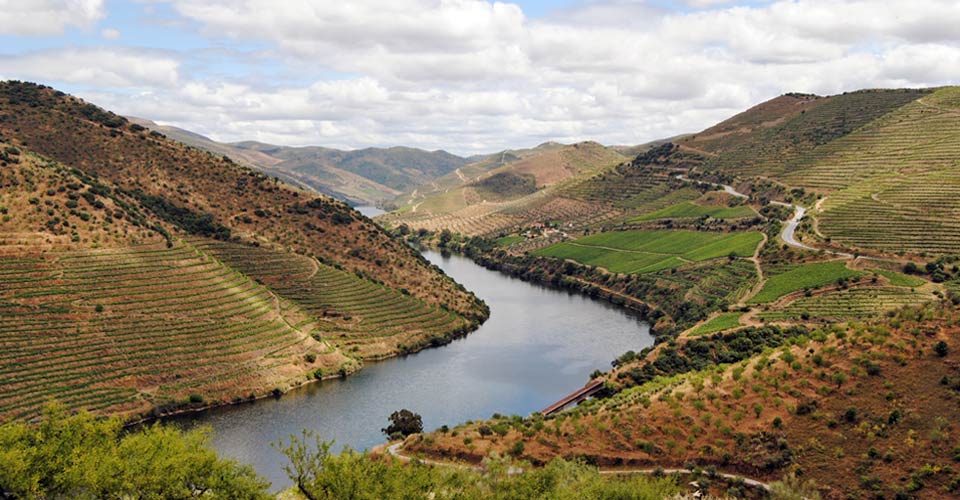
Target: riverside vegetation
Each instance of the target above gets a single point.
(770, 359)
(835, 363)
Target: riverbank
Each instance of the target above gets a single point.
(538, 344)
(666, 308)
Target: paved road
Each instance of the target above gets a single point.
(788, 234)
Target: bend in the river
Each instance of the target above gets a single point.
(538, 345)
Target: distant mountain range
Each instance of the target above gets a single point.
(361, 177)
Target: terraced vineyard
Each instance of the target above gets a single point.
(649, 251)
(776, 150)
(725, 321)
(121, 330)
(862, 302)
(354, 313)
(717, 280)
(688, 210)
(899, 178)
(625, 185)
(807, 276)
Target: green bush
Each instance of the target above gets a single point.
(80, 456)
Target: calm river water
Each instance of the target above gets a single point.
(538, 346)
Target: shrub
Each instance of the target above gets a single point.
(941, 348)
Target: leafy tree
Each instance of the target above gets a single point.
(403, 423)
(79, 456)
(445, 237)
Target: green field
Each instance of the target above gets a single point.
(509, 240)
(900, 279)
(722, 322)
(648, 251)
(689, 210)
(813, 275)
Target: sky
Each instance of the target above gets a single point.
(467, 76)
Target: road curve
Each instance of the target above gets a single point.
(790, 227)
(788, 233)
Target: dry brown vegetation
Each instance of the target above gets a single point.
(255, 208)
(139, 276)
(864, 409)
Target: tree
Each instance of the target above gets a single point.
(308, 456)
(403, 423)
(839, 378)
(445, 237)
(79, 456)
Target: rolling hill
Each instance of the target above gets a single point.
(367, 176)
(829, 353)
(140, 275)
(860, 161)
(504, 191)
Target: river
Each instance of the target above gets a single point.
(539, 345)
(369, 211)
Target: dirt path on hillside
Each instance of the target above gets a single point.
(316, 267)
(761, 280)
(395, 450)
(941, 109)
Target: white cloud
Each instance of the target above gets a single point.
(47, 17)
(473, 76)
(99, 67)
(110, 33)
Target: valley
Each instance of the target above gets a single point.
(740, 260)
(480, 250)
(713, 286)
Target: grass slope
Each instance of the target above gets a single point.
(807, 276)
(689, 210)
(725, 321)
(647, 251)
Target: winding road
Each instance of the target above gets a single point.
(788, 234)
